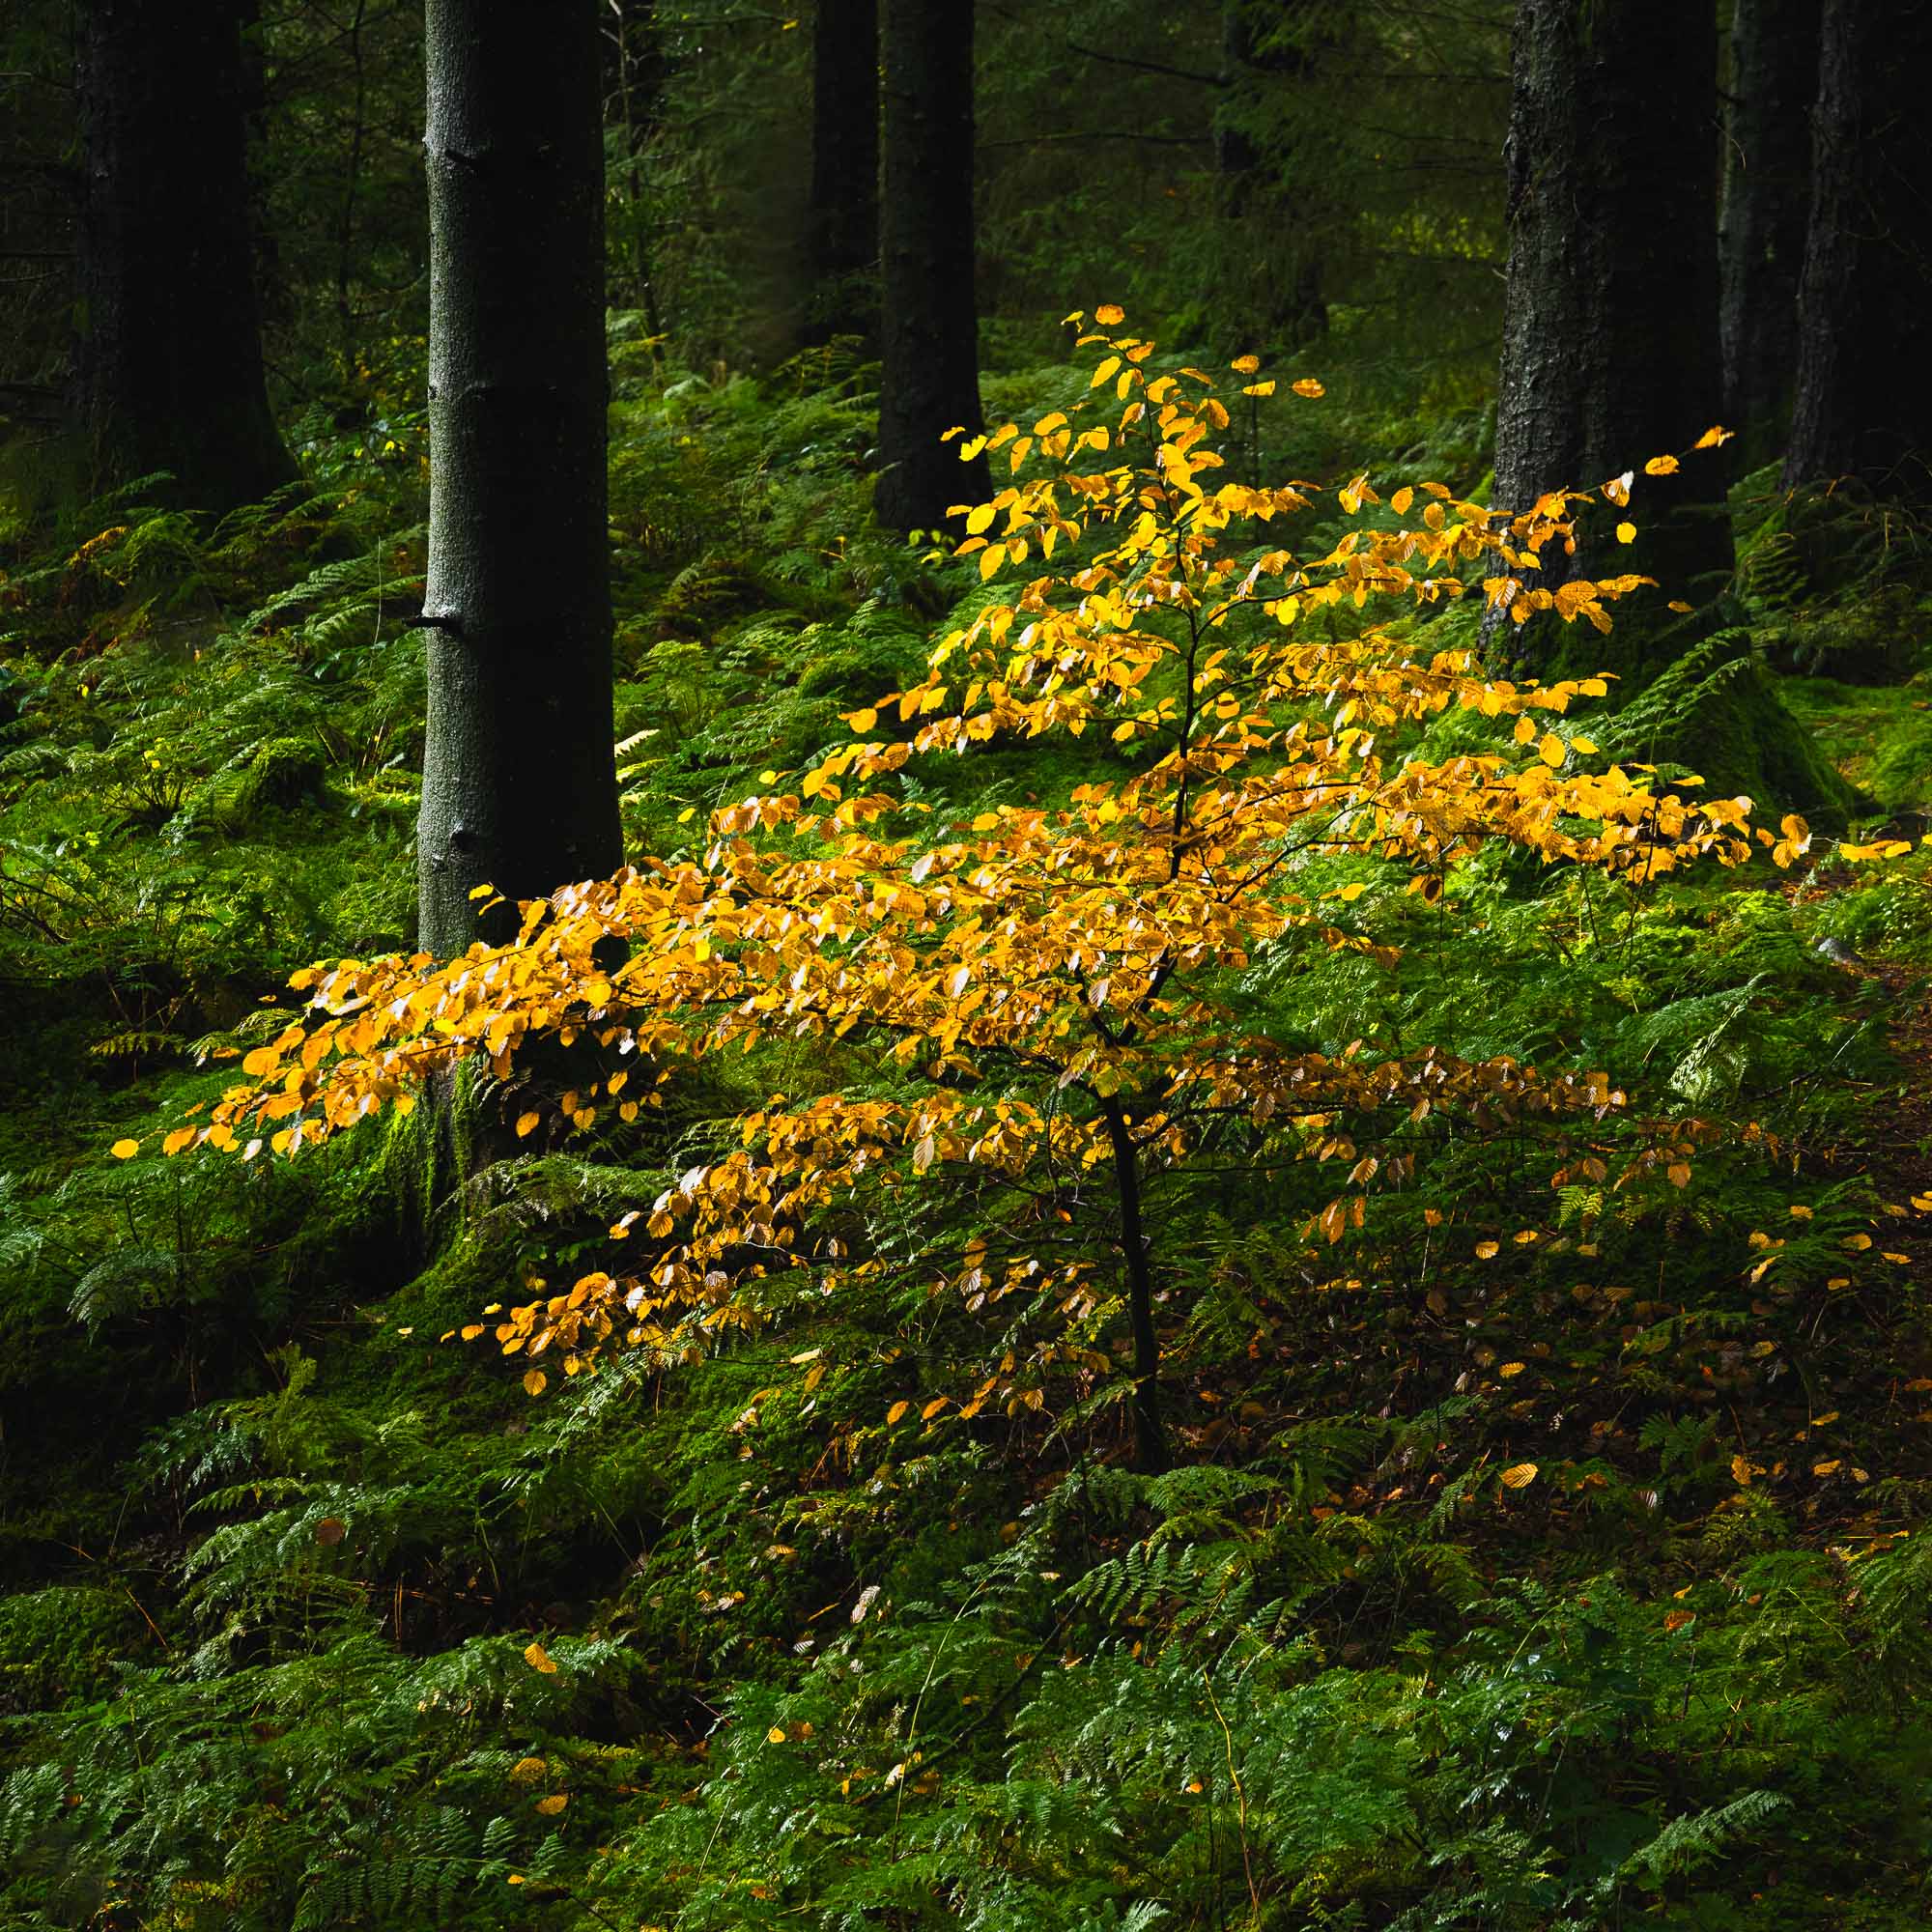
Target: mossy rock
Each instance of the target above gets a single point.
(1881, 639)
(61, 1642)
(881, 648)
(283, 774)
(1705, 703)
(713, 593)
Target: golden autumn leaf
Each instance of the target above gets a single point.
(776, 1734)
(953, 942)
(125, 1150)
(1625, 533)
(1486, 1251)
(540, 1660)
(535, 1381)
(1308, 387)
(1518, 1475)
(550, 1807)
(1110, 315)
(1662, 466)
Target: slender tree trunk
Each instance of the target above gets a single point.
(518, 778)
(1864, 393)
(637, 79)
(1610, 351)
(352, 181)
(1149, 1436)
(1278, 268)
(929, 328)
(169, 369)
(842, 217)
(1767, 206)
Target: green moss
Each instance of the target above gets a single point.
(63, 1642)
(283, 774)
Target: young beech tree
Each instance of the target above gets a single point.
(1034, 1010)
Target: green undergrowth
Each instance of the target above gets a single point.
(1533, 1560)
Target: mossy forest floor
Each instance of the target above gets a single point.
(311, 1620)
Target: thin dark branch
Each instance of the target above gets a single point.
(1145, 66)
(1121, 134)
(1121, 59)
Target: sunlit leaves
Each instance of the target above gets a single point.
(978, 988)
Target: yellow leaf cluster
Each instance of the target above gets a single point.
(1042, 981)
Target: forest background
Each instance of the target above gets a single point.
(1305, 1308)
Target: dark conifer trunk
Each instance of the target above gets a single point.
(930, 329)
(169, 368)
(1283, 267)
(1767, 205)
(1864, 393)
(842, 218)
(518, 778)
(635, 79)
(1610, 356)
(1610, 351)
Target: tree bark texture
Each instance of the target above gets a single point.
(930, 331)
(1865, 395)
(169, 364)
(1767, 207)
(842, 217)
(519, 775)
(1610, 350)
